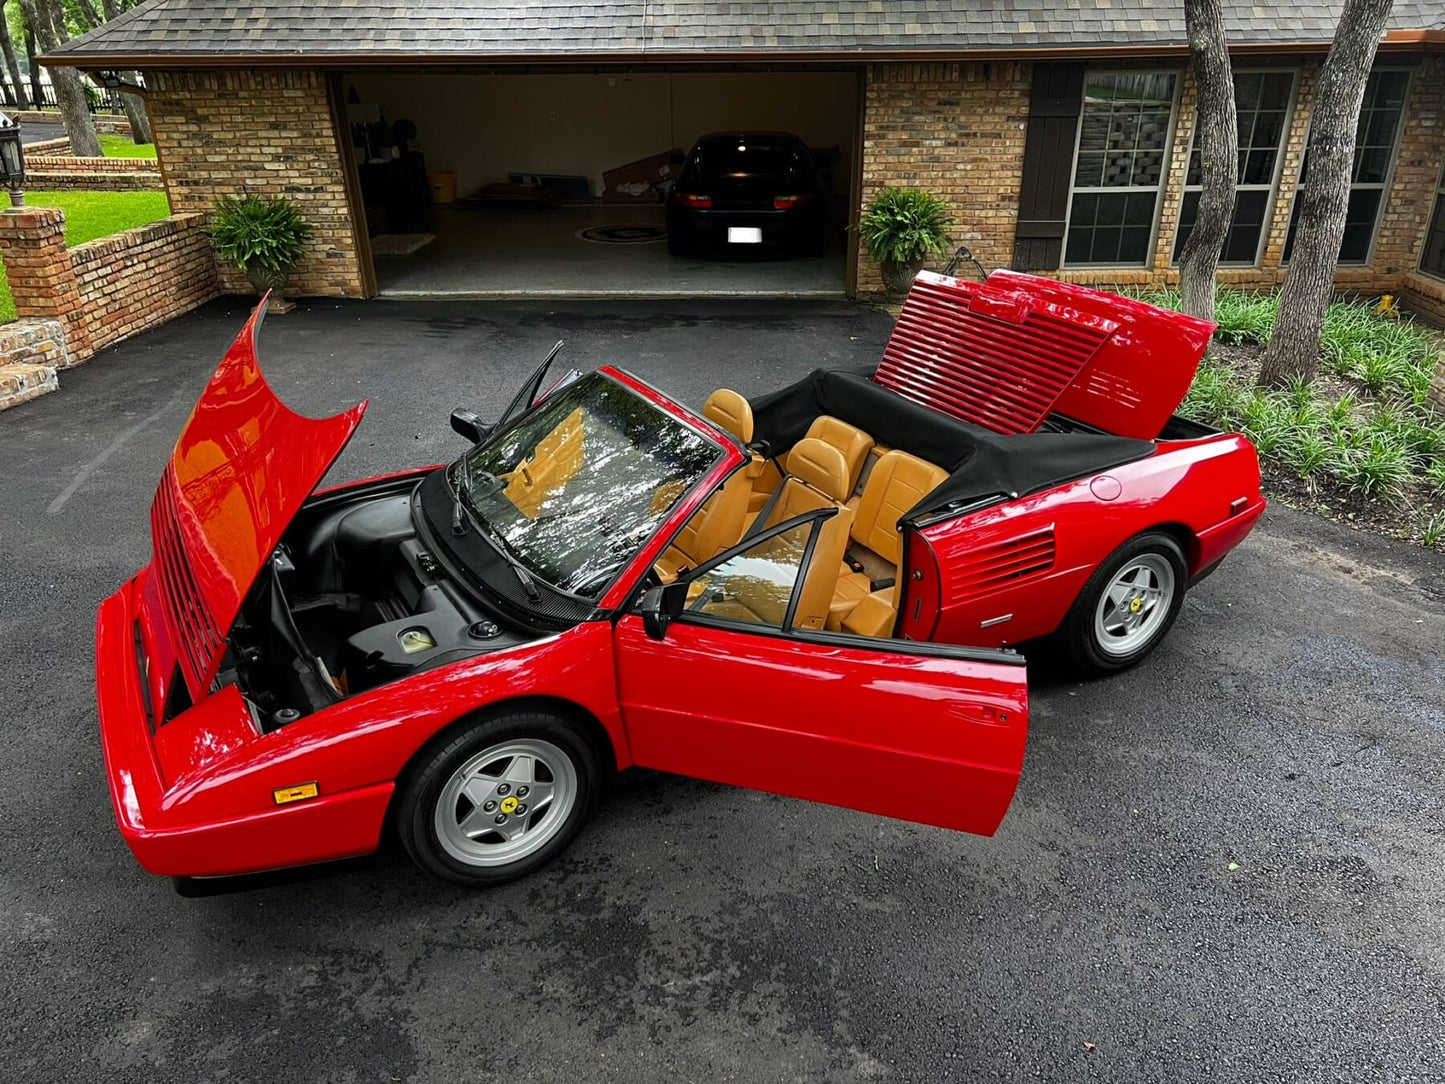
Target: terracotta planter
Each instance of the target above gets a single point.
(898, 277)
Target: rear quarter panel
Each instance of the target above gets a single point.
(1028, 559)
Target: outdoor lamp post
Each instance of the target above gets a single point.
(12, 160)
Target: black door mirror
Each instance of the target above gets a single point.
(660, 607)
(469, 424)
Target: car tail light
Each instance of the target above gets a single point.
(687, 199)
(787, 203)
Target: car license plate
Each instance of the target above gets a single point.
(745, 235)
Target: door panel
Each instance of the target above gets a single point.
(935, 738)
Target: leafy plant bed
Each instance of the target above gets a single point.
(1361, 444)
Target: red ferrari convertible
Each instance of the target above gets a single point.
(808, 594)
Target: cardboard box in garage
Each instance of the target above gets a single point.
(640, 181)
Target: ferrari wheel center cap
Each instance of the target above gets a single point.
(509, 805)
(1135, 605)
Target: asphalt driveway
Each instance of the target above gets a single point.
(1225, 865)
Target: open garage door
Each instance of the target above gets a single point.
(556, 184)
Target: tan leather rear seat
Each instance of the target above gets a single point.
(853, 442)
(898, 482)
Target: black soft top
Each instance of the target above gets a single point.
(980, 463)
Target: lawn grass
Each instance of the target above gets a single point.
(1362, 436)
(89, 215)
(118, 146)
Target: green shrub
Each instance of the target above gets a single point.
(1431, 530)
(1435, 477)
(251, 230)
(1372, 465)
(1244, 317)
(905, 224)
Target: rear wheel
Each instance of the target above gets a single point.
(1127, 606)
(500, 799)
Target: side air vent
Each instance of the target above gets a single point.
(1003, 564)
(984, 357)
(190, 623)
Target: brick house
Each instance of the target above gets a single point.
(1060, 130)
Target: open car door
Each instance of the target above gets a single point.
(718, 679)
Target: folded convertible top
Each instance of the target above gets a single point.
(980, 463)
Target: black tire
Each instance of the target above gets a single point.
(426, 782)
(1078, 636)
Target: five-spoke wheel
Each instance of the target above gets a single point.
(498, 799)
(1128, 604)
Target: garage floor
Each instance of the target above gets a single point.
(496, 253)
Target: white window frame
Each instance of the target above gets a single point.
(1437, 205)
(1383, 186)
(1272, 187)
(1158, 190)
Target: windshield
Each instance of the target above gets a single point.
(578, 483)
(743, 156)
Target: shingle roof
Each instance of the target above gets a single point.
(172, 30)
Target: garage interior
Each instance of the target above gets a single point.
(552, 184)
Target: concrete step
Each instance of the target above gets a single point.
(21, 381)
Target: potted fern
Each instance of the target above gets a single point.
(903, 227)
(265, 238)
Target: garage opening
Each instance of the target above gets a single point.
(557, 183)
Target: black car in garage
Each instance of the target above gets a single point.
(743, 193)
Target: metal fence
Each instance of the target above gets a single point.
(99, 99)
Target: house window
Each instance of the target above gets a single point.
(1119, 168)
(1376, 136)
(1262, 106)
(1432, 260)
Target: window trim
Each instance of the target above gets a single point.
(1384, 186)
(1275, 179)
(1159, 190)
(1436, 206)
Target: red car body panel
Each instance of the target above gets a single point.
(243, 466)
(933, 740)
(1025, 561)
(1005, 353)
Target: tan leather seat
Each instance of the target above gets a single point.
(897, 483)
(848, 439)
(817, 478)
(553, 463)
(728, 410)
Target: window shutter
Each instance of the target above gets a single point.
(1058, 95)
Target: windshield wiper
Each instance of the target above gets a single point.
(505, 551)
(461, 521)
(463, 491)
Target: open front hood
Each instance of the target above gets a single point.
(240, 471)
(1005, 353)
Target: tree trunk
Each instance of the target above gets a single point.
(1294, 347)
(1216, 139)
(35, 95)
(135, 112)
(69, 91)
(12, 62)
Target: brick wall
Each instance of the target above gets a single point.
(60, 145)
(267, 133)
(958, 130)
(135, 280)
(109, 289)
(66, 173)
(30, 353)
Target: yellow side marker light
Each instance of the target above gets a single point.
(299, 793)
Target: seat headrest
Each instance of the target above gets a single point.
(728, 410)
(821, 466)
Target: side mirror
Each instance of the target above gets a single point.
(468, 423)
(660, 607)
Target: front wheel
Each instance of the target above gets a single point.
(500, 799)
(1127, 606)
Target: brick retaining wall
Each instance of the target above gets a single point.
(66, 173)
(111, 288)
(60, 145)
(30, 353)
